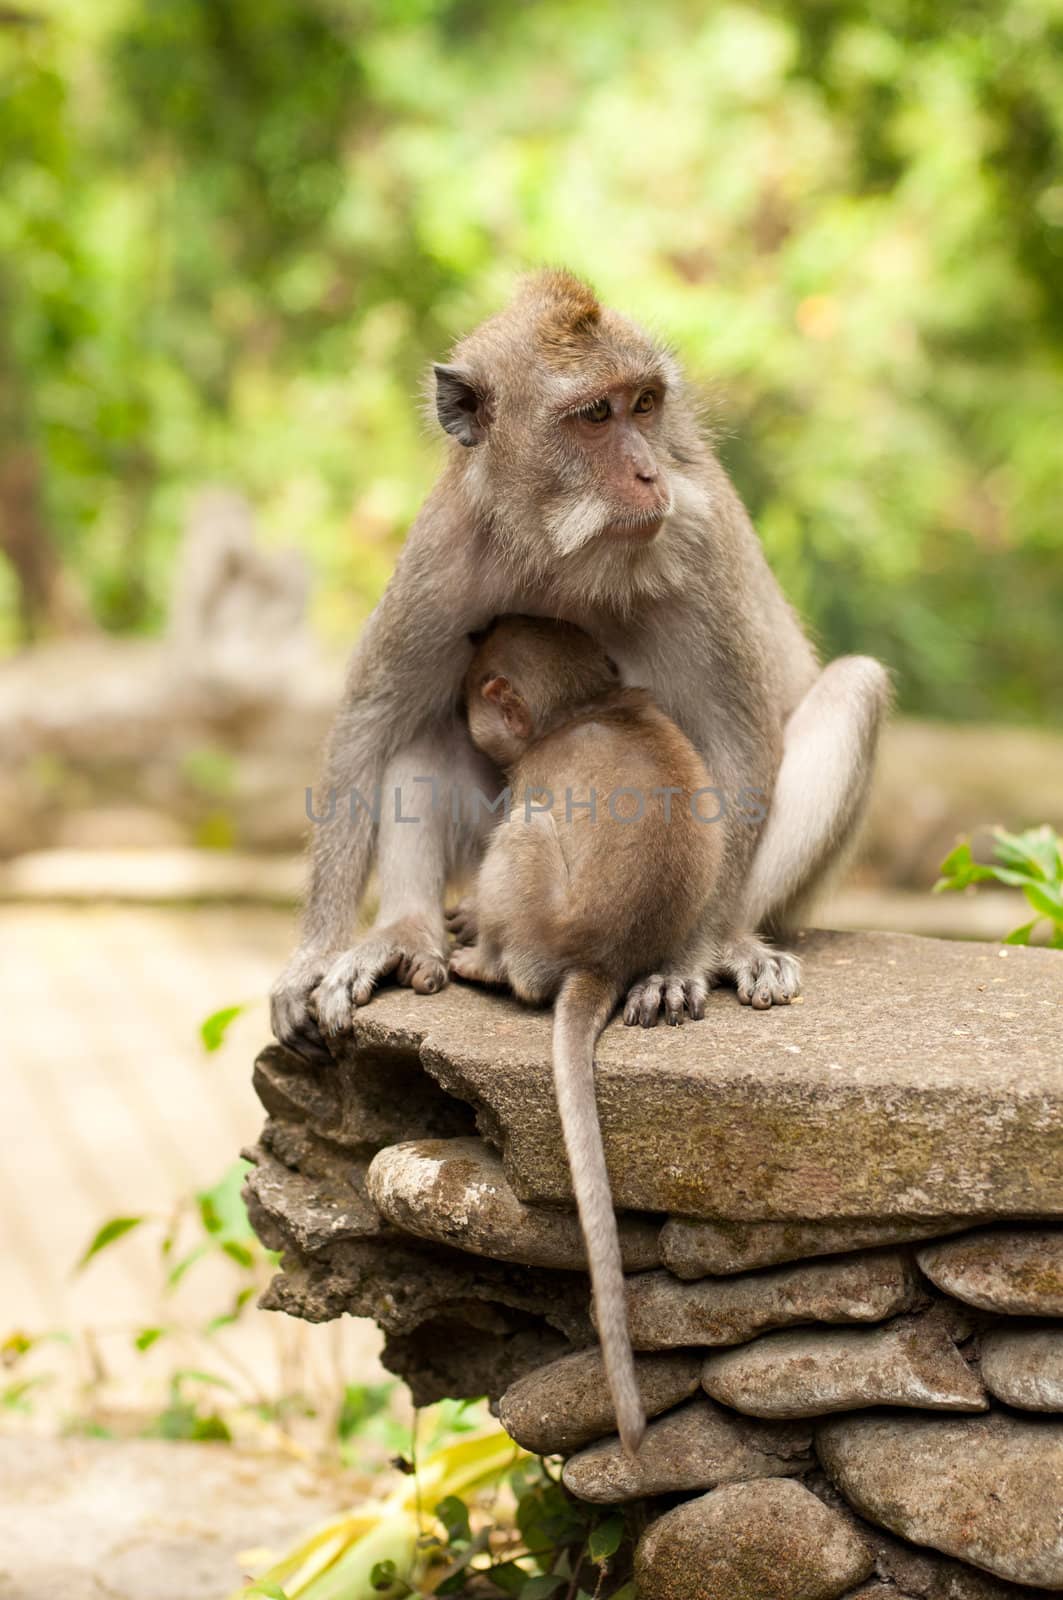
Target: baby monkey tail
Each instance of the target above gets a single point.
(583, 1007)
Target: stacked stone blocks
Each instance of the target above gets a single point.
(850, 1331)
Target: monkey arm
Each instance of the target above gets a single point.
(404, 679)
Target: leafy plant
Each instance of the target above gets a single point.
(211, 1223)
(396, 1548)
(1030, 861)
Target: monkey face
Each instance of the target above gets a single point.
(524, 672)
(615, 439)
(574, 430)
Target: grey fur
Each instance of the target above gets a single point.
(695, 615)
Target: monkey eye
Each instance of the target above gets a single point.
(598, 411)
(645, 402)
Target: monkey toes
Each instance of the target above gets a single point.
(469, 962)
(762, 976)
(677, 996)
(461, 921)
(403, 950)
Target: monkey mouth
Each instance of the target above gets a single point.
(639, 527)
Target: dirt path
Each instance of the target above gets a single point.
(109, 1107)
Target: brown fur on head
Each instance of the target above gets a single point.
(526, 674)
(575, 428)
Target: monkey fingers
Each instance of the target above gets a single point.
(679, 996)
(762, 976)
(291, 1014)
(404, 949)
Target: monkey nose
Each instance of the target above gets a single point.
(646, 474)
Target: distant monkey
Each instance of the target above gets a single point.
(578, 486)
(602, 867)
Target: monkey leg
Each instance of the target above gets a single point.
(829, 746)
(424, 832)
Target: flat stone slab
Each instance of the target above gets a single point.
(565, 1405)
(1018, 1271)
(812, 1371)
(988, 1490)
(697, 1446)
(1024, 1366)
(693, 1248)
(664, 1313)
(917, 1079)
(768, 1540)
(455, 1191)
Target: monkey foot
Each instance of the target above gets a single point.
(404, 949)
(762, 976)
(678, 996)
(461, 921)
(469, 962)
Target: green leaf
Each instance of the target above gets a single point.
(213, 1029)
(178, 1271)
(13, 1396)
(548, 1519)
(1022, 935)
(239, 1253)
(195, 1375)
(226, 1318)
(147, 1337)
(960, 869)
(605, 1539)
(361, 1403)
(1038, 850)
(956, 860)
(541, 1588)
(111, 1231)
(454, 1515)
(508, 1577)
(1045, 899)
(626, 1593)
(222, 1210)
(213, 1427)
(268, 1591)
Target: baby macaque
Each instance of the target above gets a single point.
(600, 872)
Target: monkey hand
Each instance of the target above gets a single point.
(291, 1014)
(406, 949)
(679, 994)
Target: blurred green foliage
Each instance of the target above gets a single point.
(233, 233)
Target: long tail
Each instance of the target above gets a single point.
(581, 1012)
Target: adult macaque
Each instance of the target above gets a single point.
(578, 486)
(602, 865)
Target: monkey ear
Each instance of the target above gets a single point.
(461, 406)
(515, 713)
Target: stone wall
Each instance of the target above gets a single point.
(843, 1228)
